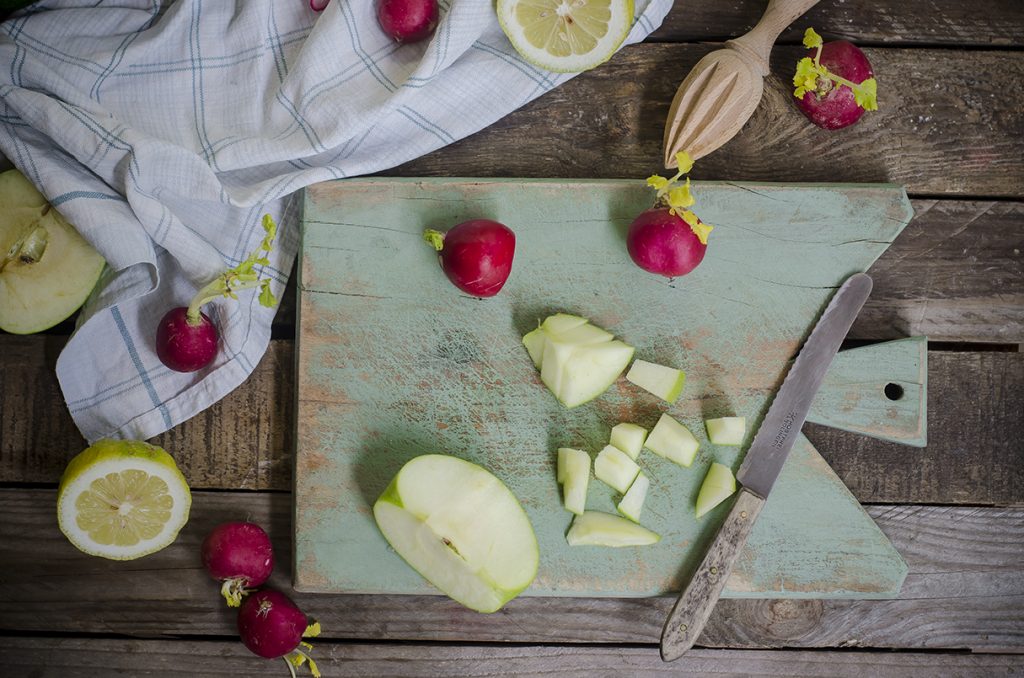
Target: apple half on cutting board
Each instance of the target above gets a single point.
(47, 269)
(459, 526)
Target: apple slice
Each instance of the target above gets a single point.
(672, 440)
(664, 382)
(578, 374)
(718, 485)
(574, 474)
(615, 468)
(47, 269)
(629, 438)
(596, 528)
(534, 343)
(633, 502)
(561, 322)
(726, 430)
(461, 528)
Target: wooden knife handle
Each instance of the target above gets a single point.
(757, 44)
(694, 606)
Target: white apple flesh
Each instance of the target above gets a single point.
(664, 382)
(596, 528)
(673, 441)
(461, 528)
(614, 468)
(727, 431)
(632, 504)
(629, 438)
(47, 269)
(718, 485)
(574, 474)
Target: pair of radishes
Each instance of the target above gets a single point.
(667, 239)
(401, 20)
(269, 623)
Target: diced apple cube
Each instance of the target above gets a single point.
(718, 485)
(664, 382)
(633, 502)
(673, 441)
(574, 474)
(595, 528)
(561, 322)
(615, 468)
(726, 430)
(534, 343)
(629, 438)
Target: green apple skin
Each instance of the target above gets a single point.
(38, 292)
(476, 544)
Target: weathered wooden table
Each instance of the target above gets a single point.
(950, 128)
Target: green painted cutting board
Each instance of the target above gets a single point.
(394, 362)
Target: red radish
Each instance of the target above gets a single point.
(669, 239)
(272, 626)
(240, 555)
(184, 346)
(660, 241)
(186, 338)
(408, 20)
(318, 5)
(834, 83)
(476, 255)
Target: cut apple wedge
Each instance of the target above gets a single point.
(614, 468)
(577, 361)
(673, 441)
(596, 528)
(629, 438)
(726, 430)
(461, 528)
(664, 382)
(633, 502)
(574, 474)
(47, 269)
(718, 485)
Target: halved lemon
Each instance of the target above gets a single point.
(122, 499)
(566, 36)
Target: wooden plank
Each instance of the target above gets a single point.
(90, 657)
(386, 372)
(951, 137)
(975, 402)
(965, 590)
(975, 429)
(241, 442)
(991, 23)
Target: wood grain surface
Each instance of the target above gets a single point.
(965, 588)
(91, 657)
(946, 132)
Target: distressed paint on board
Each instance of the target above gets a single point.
(394, 361)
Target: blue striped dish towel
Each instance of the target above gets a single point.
(165, 130)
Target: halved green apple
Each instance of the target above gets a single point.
(461, 528)
(47, 269)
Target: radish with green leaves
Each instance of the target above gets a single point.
(272, 626)
(239, 555)
(186, 338)
(834, 83)
(669, 239)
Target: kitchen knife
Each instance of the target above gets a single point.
(762, 465)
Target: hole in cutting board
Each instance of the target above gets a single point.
(893, 391)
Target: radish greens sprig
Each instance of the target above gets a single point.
(809, 70)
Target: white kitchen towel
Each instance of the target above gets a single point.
(164, 130)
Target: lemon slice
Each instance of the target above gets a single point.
(566, 36)
(122, 499)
